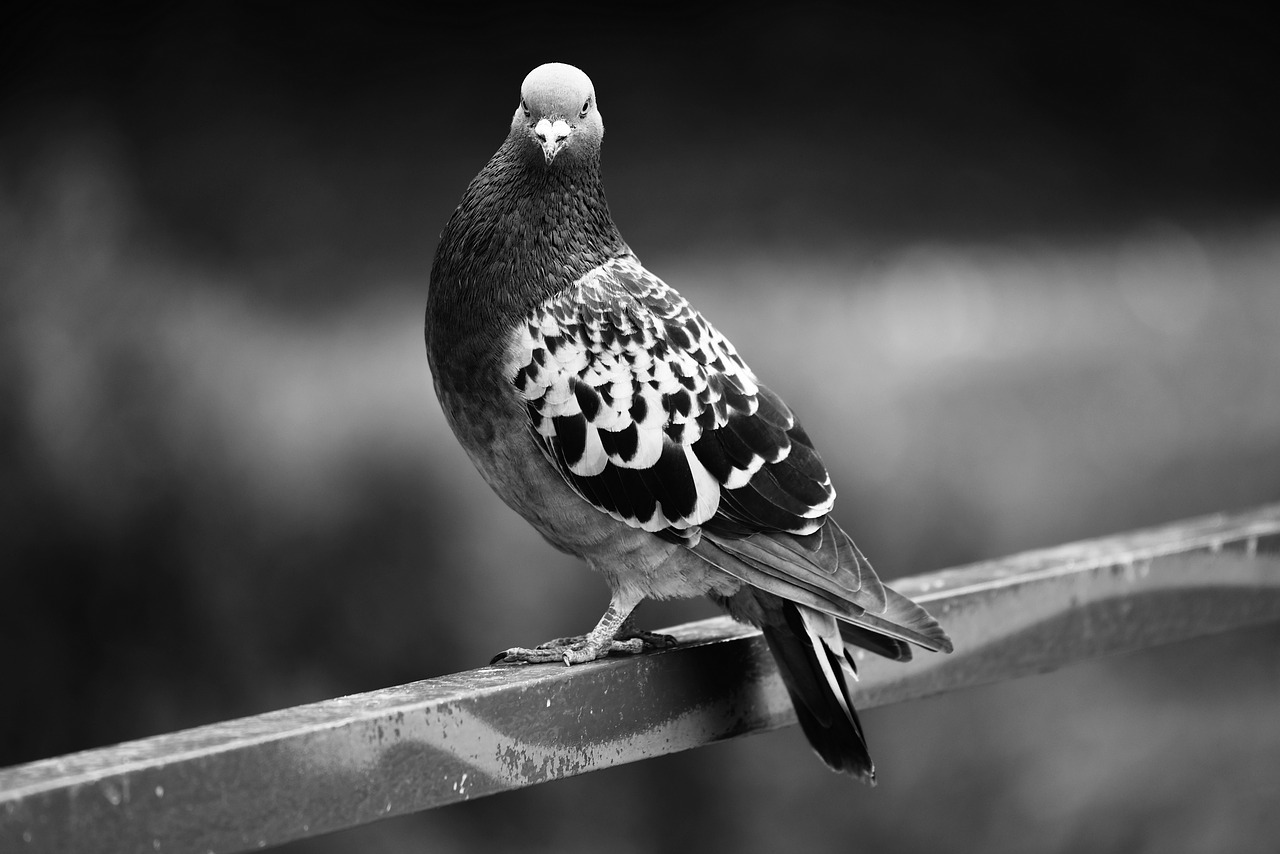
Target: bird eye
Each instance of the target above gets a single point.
(586, 108)
(524, 105)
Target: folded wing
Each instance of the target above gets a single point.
(650, 414)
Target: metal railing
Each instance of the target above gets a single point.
(250, 783)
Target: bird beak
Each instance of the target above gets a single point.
(552, 135)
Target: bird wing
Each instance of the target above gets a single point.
(649, 413)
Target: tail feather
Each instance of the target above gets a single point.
(906, 621)
(818, 674)
(890, 648)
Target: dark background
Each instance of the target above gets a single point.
(1018, 268)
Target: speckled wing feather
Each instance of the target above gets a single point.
(650, 414)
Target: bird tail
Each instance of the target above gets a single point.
(819, 673)
(814, 597)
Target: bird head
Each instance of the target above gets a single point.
(557, 113)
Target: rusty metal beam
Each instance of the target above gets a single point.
(249, 783)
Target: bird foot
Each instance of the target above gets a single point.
(576, 652)
(651, 640)
(580, 649)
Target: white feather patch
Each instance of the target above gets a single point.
(572, 358)
(739, 478)
(593, 456)
(708, 489)
(558, 394)
(648, 448)
(655, 417)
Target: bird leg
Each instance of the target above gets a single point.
(615, 633)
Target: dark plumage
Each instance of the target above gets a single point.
(609, 413)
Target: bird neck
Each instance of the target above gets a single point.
(522, 233)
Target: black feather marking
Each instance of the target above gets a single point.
(679, 401)
(765, 483)
(587, 487)
(571, 433)
(707, 417)
(674, 482)
(796, 483)
(591, 488)
(639, 409)
(737, 451)
(588, 400)
(675, 432)
(621, 443)
(712, 455)
(804, 460)
(677, 335)
(733, 393)
(760, 436)
(636, 485)
(621, 497)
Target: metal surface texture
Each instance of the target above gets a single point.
(250, 783)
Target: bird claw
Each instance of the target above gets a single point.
(521, 655)
(651, 640)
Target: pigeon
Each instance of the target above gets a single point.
(607, 411)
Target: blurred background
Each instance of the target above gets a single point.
(1018, 269)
